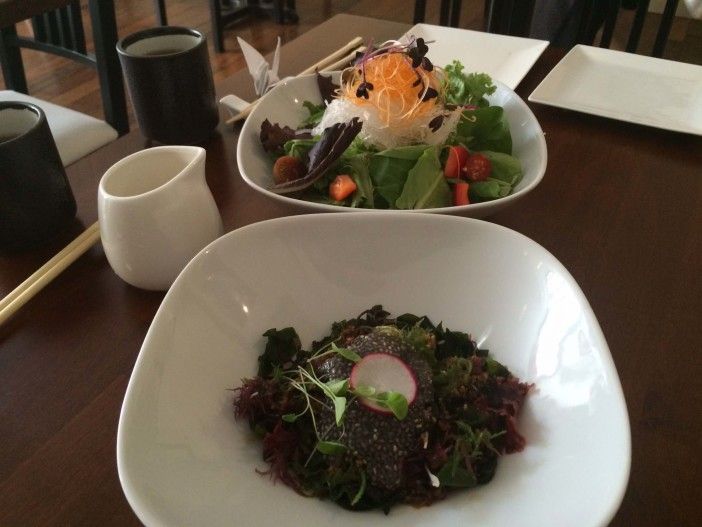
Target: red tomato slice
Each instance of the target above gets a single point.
(457, 156)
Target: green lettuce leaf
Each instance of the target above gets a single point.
(389, 169)
(490, 189)
(505, 167)
(484, 129)
(316, 112)
(426, 186)
(464, 89)
(363, 197)
(299, 148)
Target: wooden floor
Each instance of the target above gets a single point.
(69, 84)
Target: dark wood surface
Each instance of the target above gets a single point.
(620, 206)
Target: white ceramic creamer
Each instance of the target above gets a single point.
(156, 212)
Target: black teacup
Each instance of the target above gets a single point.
(36, 200)
(170, 83)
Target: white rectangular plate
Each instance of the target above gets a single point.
(507, 59)
(628, 87)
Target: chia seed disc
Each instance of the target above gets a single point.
(380, 440)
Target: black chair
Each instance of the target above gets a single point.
(604, 14)
(449, 12)
(509, 17)
(224, 12)
(61, 32)
(514, 17)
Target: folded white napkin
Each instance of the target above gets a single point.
(264, 75)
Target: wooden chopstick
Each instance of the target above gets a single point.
(335, 60)
(344, 61)
(333, 57)
(47, 272)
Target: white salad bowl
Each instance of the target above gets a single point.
(184, 460)
(284, 105)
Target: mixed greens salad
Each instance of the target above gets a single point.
(397, 133)
(381, 411)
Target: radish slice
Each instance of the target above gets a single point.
(385, 373)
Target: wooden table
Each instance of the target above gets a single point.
(620, 206)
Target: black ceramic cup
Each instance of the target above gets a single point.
(170, 83)
(36, 200)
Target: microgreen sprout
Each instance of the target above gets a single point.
(393, 401)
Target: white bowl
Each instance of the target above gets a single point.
(183, 460)
(283, 105)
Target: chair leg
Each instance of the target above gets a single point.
(489, 16)
(114, 103)
(664, 29)
(161, 15)
(586, 35)
(11, 61)
(217, 29)
(444, 12)
(455, 16)
(637, 26)
(610, 21)
(420, 7)
(520, 18)
(499, 16)
(77, 29)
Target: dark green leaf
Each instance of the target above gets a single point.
(282, 346)
(361, 489)
(330, 448)
(453, 344)
(290, 418)
(495, 368)
(457, 476)
(420, 339)
(454, 473)
(409, 320)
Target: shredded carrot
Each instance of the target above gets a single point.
(398, 88)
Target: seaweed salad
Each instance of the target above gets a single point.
(382, 411)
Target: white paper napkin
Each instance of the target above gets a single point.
(264, 75)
